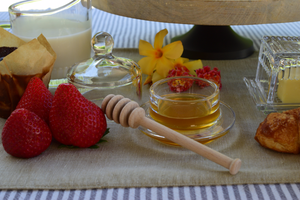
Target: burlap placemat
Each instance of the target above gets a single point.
(131, 159)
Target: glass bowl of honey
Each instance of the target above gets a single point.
(190, 106)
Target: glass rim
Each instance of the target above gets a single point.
(12, 8)
(212, 96)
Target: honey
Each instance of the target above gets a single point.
(185, 111)
(192, 109)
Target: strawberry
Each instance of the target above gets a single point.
(74, 120)
(179, 85)
(37, 98)
(25, 134)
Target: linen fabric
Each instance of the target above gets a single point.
(131, 159)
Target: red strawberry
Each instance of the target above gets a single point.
(25, 134)
(74, 120)
(180, 85)
(37, 98)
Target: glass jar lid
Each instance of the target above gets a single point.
(104, 70)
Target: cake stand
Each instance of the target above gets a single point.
(211, 37)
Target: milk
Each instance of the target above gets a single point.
(70, 39)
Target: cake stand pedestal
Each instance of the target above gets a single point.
(214, 43)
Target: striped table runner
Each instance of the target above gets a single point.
(223, 192)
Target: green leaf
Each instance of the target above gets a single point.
(106, 132)
(67, 146)
(101, 141)
(94, 147)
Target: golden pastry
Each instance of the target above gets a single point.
(280, 132)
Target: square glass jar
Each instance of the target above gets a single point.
(276, 86)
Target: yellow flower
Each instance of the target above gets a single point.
(179, 62)
(153, 78)
(191, 65)
(136, 77)
(158, 58)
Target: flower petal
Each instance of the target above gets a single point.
(148, 80)
(145, 48)
(173, 50)
(180, 61)
(193, 65)
(156, 77)
(184, 60)
(147, 65)
(159, 38)
(163, 66)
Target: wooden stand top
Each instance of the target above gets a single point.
(205, 12)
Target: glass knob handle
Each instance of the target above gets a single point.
(102, 43)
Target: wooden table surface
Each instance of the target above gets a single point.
(205, 12)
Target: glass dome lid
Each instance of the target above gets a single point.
(104, 70)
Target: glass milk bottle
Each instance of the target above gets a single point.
(66, 24)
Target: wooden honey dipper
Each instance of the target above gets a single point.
(128, 113)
